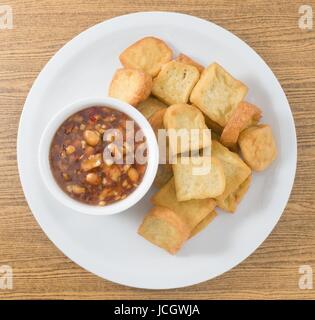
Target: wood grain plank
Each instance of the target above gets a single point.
(271, 28)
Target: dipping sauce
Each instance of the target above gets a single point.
(81, 167)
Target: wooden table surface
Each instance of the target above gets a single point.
(271, 28)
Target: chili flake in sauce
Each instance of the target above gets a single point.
(78, 164)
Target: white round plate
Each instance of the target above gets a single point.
(109, 246)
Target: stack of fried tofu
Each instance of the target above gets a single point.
(179, 93)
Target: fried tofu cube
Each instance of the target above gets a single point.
(164, 172)
(187, 60)
(156, 120)
(130, 85)
(163, 175)
(217, 94)
(174, 82)
(162, 227)
(147, 55)
(203, 224)
(149, 106)
(235, 169)
(245, 114)
(215, 127)
(191, 212)
(198, 178)
(189, 129)
(258, 146)
(231, 202)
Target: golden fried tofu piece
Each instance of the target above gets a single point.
(258, 146)
(174, 82)
(187, 60)
(215, 127)
(203, 224)
(235, 169)
(164, 172)
(163, 175)
(217, 94)
(149, 106)
(162, 227)
(147, 55)
(130, 85)
(156, 120)
(198, 178)
(245, 114)
(184, 119)
(231, 202)
(191, 212)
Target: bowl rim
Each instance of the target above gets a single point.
(52, 127)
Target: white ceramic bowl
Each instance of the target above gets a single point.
(116, 207)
